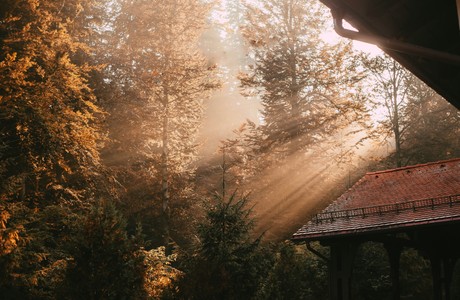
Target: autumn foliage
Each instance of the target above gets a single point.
(103, 192)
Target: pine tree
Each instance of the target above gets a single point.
(164, 80)
(227, 262)
(105, 264)
(304, 83)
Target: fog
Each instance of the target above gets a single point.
(283, 196)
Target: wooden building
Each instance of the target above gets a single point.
(416, 206)
(422, 35)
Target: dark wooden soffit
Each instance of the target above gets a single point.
(430, 24)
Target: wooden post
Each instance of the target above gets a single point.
(437, 278)
(340, 270)
(441, 269)
(394, 254)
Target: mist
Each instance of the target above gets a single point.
(283, 196)
(142, 140)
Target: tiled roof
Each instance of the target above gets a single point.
(409, 196)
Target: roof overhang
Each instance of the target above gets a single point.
(376, 230)
(430, 28)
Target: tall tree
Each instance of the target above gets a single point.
(433, 132)
(164, 81)
(390, 90)
(49, 135)
(423, 126)
(50, 130)
(304, 83)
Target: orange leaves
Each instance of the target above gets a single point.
(159, 274)
(4, 216)
(46, 101)
(8, 237)
(13, 70)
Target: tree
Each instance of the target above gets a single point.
(296, 274)
(415, 275)
(160, 276)
(48, 110)
(371, 273)
(391, 88)
(434, 128)
(424, 126)
(227, 263)
(49, 138)
(304, 83)
(105, 262)
(310, 94)
(164, 80)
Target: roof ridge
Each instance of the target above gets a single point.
(413, 166)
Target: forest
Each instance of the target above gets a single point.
(168, 149)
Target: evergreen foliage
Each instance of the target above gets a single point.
(105, 263)
(35, 267)
(160, 80)
(227, 263)
(296, 274)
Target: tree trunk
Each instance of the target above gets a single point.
(396, 125)
(165, 170)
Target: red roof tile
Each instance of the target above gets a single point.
(409, 196)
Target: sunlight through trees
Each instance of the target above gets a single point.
(105, 186)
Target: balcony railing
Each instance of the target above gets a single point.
(387, 208)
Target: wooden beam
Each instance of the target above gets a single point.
(458, 12)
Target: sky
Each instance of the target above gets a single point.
(332, 37)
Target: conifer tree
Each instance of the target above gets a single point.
(227, 262)
(48, 111)
(105, 262)
(164, 80)
(304, 83)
